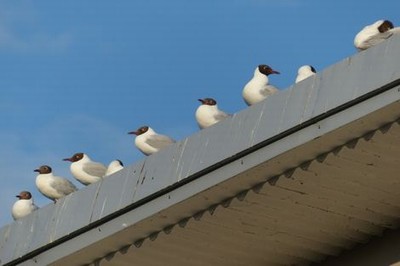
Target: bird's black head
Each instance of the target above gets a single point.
(208, 101)
(44, 169)
(24, 195)
(385, 26)
(140, 131)
(76, 157)
(266, 70)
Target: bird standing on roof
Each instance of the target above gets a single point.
(305, 72)
(258, 89)
(207, 114)
(114, 167)
(85, 170)
(51, 186)
(23, 206)
(374, 34)
(148, 141)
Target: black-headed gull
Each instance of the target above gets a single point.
(85, 170)
(148, 141)
(207, 114)
(374, 34)
(51, 186)
(23, 206)
(114, 167)
(305, 72)
(257, 89)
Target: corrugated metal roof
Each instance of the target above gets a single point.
(291, 180)
(318, 209)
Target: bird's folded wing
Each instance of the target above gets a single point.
(378, 38)
(221, 115)
(269, 90)
(63, 186)
(159, 141)
(95, 169)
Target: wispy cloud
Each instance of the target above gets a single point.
(20, 32)
(35, 43)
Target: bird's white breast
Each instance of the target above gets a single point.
(83, 177)
(43, 183)
(254, 90)
(141, 144)
(114, 166)
(205, 115)
(303, 73)
(22, 208)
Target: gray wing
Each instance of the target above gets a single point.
(268, 90)
(159, 141)
(221, 115)
(95, 169)
(64, 186)
(378, 38)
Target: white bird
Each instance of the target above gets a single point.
(23, 206)
(114, 167)
(257, 89)
(374, 34)
(85, 170)
(51, 186)
(207, 114)
(148, 141)
(305, 72)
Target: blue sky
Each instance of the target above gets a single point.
(76, 76)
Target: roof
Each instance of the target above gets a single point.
(301, 176)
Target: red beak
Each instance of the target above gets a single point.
(133, 133)
(68, 159)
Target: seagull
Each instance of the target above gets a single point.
(114, 167)
(374, 34)
(23, 206)
(305, 72)
(148, 141)
(257, 89)
(207, 114)
(51, 186)
(85, 170)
